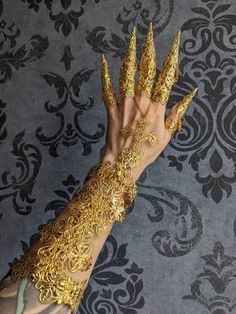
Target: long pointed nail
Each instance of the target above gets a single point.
(183, 104)
(173, 56)
(169, 73)
(147, 66)
(128, 68)
(108, 95)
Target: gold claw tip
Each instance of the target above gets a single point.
(193, 92)
(176, 42)
(147, 66)
(128, 68)
(185, 101)
(108, 95)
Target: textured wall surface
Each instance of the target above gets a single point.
(176, 251)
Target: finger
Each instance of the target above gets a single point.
(173, 121)
(147, 71)
(128, 69)
(168, 76)
(108, 94)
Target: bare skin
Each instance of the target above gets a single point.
(21, 296)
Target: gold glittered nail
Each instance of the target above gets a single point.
(128, 68)
(147, 70)
(174, 124)
(169, 73)
(108, 94)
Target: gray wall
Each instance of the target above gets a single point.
(176, 251)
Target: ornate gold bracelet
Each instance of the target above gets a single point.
(66, 244)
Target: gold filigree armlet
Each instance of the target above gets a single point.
(66, 246)
(96, 205)
(66, 242)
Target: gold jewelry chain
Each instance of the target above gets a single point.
(94, 206)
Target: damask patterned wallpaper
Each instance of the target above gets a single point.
(176, 251)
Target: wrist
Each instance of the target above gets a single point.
(136, 171)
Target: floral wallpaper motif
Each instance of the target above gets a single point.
(208, 60)
(217, 276)
(176, 251)
(69, 132)
(14, 55)
(19, 184)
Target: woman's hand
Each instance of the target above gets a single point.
(128, 114)
(142, 101)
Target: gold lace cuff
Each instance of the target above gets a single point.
(66, 246)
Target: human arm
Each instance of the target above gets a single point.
(62, 261)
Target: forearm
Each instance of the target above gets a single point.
(96, 240)
(61, 262)
(68, 248)
(22, 294)
(23, 297)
